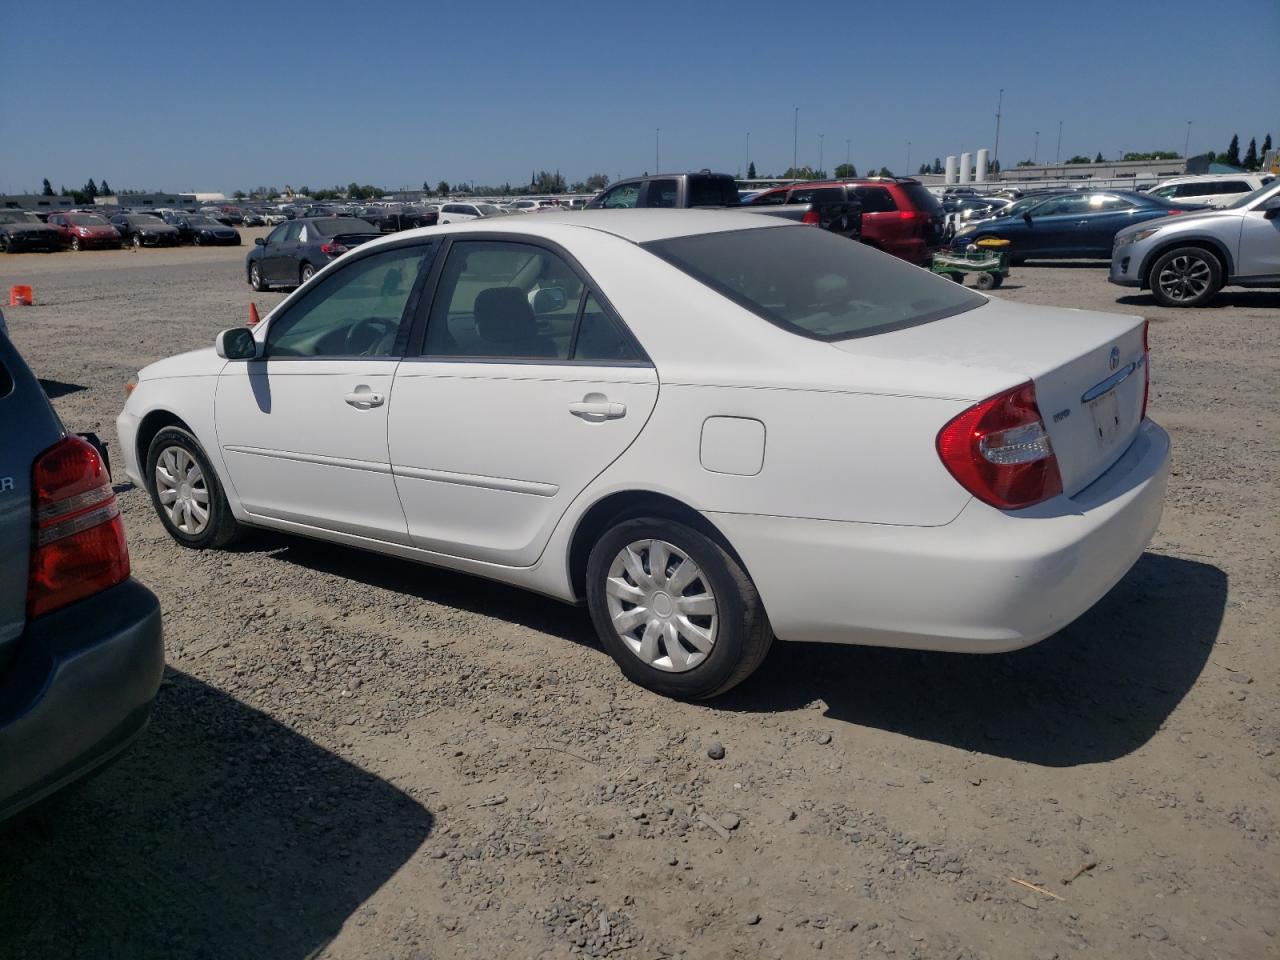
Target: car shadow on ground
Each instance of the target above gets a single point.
(53, 389)
(1095, 691)
(219, 834)
(1254, 299)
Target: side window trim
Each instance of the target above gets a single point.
(431, 248)
(431, 289)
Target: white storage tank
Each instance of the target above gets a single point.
(981, 174)
(950, 176)
(966, 165)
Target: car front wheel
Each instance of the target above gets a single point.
(255, 278)
(186, 493)
(1185, 277)
(674, 609)
(75, 244)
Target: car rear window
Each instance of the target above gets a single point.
(920, 197)
(815, 283)
(816, 195)
(713, 192)
(332, 226)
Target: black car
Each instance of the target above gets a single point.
(294, 251)
(145, 230)
(22, 230)
(703, 189)
(202, 231)
(81, 649)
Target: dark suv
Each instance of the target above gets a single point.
(704, 189)
(81, 653)
(899, 215)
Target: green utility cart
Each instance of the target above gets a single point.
(987, 260)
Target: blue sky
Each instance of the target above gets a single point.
(226, 95)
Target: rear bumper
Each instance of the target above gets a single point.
(78, 691)
(987, 582)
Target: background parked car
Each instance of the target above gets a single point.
(252, 218)
(831, 206)
(458, 212)
(22, 230)
(1186, 260)
(274, 218)
(144, 230)
(1070, 224)
(81, 650)
(669, 190)
(81, 231)
(196, 228)
(292, 253)
(1214, 190)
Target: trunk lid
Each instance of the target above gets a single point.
(1089, 371)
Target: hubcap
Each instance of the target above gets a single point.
(181, 489)
(661, 605)
(1184, 278)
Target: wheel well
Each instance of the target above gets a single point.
(153, 423)
(622, 506)
(1200, 243)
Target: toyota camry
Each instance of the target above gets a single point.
(712, 427)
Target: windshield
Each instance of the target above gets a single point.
(143, 220)
(488, 209)
(1248, 198)
(17, 216)
(815, 283)
(87, 220)
(333, 226)
(202, 222)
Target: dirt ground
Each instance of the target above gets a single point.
(360, 757)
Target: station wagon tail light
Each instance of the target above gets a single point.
(999, 450)
(811, 218)
(78, 546)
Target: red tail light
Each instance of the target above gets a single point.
(332, 248)
(1000, 452)
(908, 214)
(1146, 367)
(811, 217)
(78, 545)
(1174, 213)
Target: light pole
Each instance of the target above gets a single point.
(1035, 154)
(657, 149)
(795, 142)
(1057, 156)
(995, 153)
(1186, 144)
(821, 137)
(907, 171)
(748, 166)
(848, 153)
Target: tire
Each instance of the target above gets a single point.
(195, 239)
(957, 276)
(4, 244)
(305, 273)
(740, 635)
(1185, 277)
(137, 241)
(179, 448)
(255, 278)
(75, 244)
(985, 281)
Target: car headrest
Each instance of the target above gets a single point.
(503, 315)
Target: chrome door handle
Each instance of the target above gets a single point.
(598, 409)
(365, 398)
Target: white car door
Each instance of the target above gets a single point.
(1260, 240)
(522, 388)
(303, 430)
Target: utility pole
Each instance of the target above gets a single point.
(821, 136)
(848, 153)
(657, 149)
(748, 166)
(795, 143)
(1035, 154)
(1057, 157)
(995, 154)
(1186, 144)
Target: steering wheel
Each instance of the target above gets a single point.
(364, 335)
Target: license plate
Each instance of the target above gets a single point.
(1105, 411)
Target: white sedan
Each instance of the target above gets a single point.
(713, 427)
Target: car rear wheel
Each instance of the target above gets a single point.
(186, 493)
(986, 281)
(255, 278)
(137, 241)
(674, 609)
(1185, 277)
(75, 244)
(306, 273)
(195, 239)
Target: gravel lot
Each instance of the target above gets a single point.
(359, 757)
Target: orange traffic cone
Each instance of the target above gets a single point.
(253, 314)
(20, 295)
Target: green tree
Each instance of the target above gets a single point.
(104, 189)
(47, 189)
(1079, 159)
(597, 181)
(426, 187)
(238, 195)
(846, 171)
(801, 173)
(884, 172)
(751, 170)
(442, 188)
(1266, 144)
(937, 165)
(924, 168)
(1026, 163)
(90, 189)
(1098, 158)
(1251, 161)
(1233, 151)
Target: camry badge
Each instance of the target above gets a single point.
(1115, 357)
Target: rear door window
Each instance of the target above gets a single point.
(920, 196)
(713, 192)
(662, 193)
(875, 199)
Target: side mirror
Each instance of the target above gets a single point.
(548, 300)
(1271, 209)
(1027, 217)
(238, 343)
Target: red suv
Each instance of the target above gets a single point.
(899, 215)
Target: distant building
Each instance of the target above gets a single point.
(35, 201)
(1107, 170)
(147, 200)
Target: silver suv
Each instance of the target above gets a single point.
(1186, 260)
